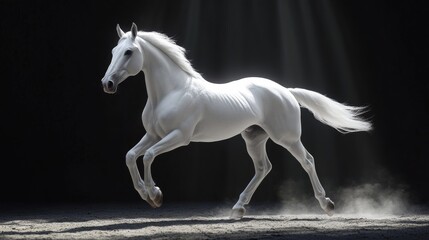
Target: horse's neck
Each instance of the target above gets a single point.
(162, 75)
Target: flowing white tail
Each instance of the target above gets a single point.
(342, 117)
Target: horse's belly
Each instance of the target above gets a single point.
(217, 127)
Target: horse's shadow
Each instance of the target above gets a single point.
(163, 223)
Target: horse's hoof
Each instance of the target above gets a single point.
(237, 213)
(330, 207)
(157, 200)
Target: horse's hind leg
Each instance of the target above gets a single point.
(255, 138)
(307, 162)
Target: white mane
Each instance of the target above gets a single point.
(171, 49)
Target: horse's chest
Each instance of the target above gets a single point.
(151, 123)
(161, 119)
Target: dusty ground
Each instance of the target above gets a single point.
(200, 221)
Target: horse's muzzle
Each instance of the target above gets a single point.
(109, 86)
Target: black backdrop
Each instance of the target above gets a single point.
(64, 140)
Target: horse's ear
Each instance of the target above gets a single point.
(134, 30)
(119, 30)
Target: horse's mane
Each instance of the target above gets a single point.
(171, 49)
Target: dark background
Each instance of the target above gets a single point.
(65, 140)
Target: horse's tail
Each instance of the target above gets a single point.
(342, 117)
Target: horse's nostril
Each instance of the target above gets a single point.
(110, 84)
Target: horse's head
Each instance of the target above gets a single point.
(127, 60)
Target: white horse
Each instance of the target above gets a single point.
(182, 107)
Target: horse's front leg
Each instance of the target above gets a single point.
(139, 149)
(174, 139)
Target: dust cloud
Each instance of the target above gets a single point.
(374, 199)
(364, 200)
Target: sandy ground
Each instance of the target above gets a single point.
(200, 221)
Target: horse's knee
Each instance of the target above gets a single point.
(148, 157)
(130, 158)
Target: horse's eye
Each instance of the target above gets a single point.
(128, 53)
